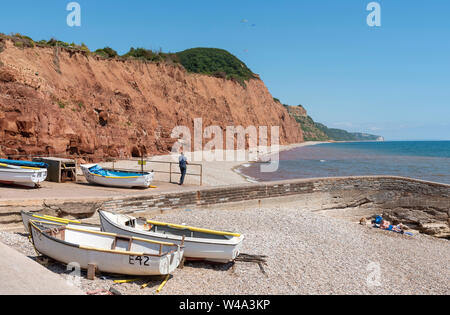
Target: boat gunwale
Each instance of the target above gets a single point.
(32, 225)
(230, 242)
(12, 168)
(109, 234)
(194, 229)
(50, 219)
(89, 248)
(18, 167)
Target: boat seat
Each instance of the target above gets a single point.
(122, 238)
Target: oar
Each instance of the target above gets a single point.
(163, 284)
(145, 285)
(126, 281)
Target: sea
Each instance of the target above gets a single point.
(426, 160)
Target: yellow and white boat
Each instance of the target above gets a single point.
(200, 244)
(96, 175)
(110, 253)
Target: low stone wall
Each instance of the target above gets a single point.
(345, 192)
(422, 205)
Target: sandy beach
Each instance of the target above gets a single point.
(215, 173)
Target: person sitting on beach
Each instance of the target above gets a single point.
(183, 167)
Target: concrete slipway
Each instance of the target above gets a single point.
(19, 275)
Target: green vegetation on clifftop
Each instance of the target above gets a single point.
(217, 62)
(107, 52)
(209, 61)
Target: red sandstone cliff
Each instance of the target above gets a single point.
(54, 101)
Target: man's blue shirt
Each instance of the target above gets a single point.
(183, 161)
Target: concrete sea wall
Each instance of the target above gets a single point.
(421, 205)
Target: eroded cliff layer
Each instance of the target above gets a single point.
(57, 101)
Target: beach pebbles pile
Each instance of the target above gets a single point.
(306, 253)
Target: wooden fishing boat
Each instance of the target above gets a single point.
(29, 216)
(97, 175)
(21, 173)
(200, 244)
(110, 253)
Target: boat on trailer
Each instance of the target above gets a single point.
(110, 253)
(200, 244)
(22, 173)
(97, 175)
(29, 216)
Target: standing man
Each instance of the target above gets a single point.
(183, 167)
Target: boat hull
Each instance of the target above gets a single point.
(22, 177)
(106, 260)
(220, 251)
(143, 181)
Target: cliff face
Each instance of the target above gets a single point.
(55, 101)
(297, 111)
(311, 131)
(314, 131)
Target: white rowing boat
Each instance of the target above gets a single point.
(110, 253)
(96, 175)
(200, 244)
(22, 175)
(29, 216)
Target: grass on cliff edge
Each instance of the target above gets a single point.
(209, 61)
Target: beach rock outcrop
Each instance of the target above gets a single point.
(56, 101)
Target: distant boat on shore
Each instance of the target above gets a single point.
(22, 173)
(95, 174)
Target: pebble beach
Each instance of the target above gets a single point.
(307, 253)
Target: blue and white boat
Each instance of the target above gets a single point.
(95, 174)
(24, 163)
(22, 173)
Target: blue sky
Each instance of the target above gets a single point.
(391, 80)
